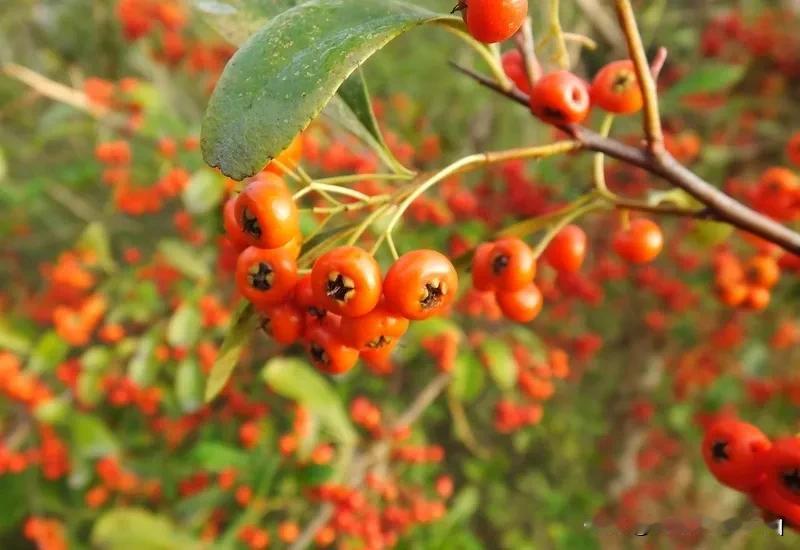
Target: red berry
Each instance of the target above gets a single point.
(640, 243)
(567, 249)
(491, 21)
(560, 98)
(735, 453)
(615, 88)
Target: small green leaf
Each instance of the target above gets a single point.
(95, 239)
(50, 350)
(189, 385)
(213, 456)
(13, 340)
(143, 366)
(237, 338)
(14, 490)
(184, 326)
(89, 388)
(352, 108)
(468, 377)
(708, 234)
(708, 78)
(138, 529)
(204, 192)
(183, 258)
(296, 380)
(282, 77)
(3, 165)
(52, 412)
(90, 437)
(500, 362)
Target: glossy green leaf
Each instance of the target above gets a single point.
(189, 385)
(296, 380)
(237, 338)
(91, 438)
(468, 377)
(138, 529)
(708, 78)
(96, 239)
(352, 109)
(184, 326)
(213, 456)
(500, 362)
(184, 258)
(204, 192)
(49, 351)
(143, 367)
(707, 234)
(282, 77)
(237, 20)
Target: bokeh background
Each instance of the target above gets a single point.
(116, 293)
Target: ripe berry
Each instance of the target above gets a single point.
(514, 67)
(766, 497)
(521, 305)
(615, 88)
(420, 284)
(491, 21)
(734, 452)
(783, 468)
(566, 251)
(265, 276)
(266, 212)
(512, 265)
(347, 281)
(375, 330)
(327, 352)
(284, 322)
(481, 269)
(560, 98)
(640, 243)
(232, 228)
(762, 271)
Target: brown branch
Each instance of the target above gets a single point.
(718, 205)
(652, 117)
(526, 46)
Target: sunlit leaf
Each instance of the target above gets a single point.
(238, 336)
(138, 529)
(237, 20)
(204, 192)
(189, 385)
(500, 362)
(282, 77)
(95, 238)
(49, 351)
(708, 78)
(468, 377)
(91, 438)
(296, 380)
(184, 326)
(183, 258)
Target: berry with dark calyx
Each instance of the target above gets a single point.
(265, 276)
(420, 284)
(616, 89)
(560, 98)
(347, 281)
(735, 453)
(266, 212)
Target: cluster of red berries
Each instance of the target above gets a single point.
(745, 285)
(48, 534)
(343, 308)
(740, 456)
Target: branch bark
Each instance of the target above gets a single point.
(718, 205)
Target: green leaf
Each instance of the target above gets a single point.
(204, 192)
(138, 529)
(213, 456)
(143, 366)
(296, 380)
(468, 377)
(50, 350)
(237, 20)
(237, 338)
(709, 78)
(3, 165)
(189, 386)
(282, 77)
(95, 238)
(500, 362)
(184, 326)
(14, 492)
(13, 340)
(90, 437)
(708, 234)
(184, 258)
(352, 109)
